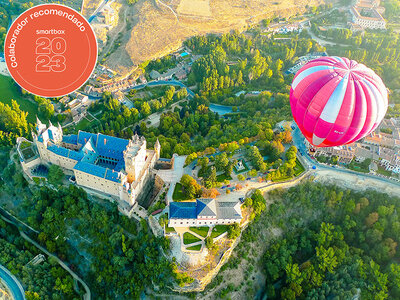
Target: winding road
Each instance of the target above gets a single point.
(161, 82)
(336, 171)
(13, 285)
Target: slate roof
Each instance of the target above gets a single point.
(70, 139)
(65, 152)
(229, 210)
(90, 169)
(97, 171)
(93, 145)
(110, 146)
(58, 150)
(182, 210)
(205, 208)
(83, 137)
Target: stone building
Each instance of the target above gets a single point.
(107, 164)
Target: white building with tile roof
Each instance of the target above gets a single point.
(204, 212)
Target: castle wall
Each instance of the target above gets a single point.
(63, 162)
(97, 183)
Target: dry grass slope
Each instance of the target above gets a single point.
(153, 30)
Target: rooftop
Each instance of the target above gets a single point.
(205, 208)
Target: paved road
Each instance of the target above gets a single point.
(298, 141)
(173, 176)
(12, 283)
(161, 82)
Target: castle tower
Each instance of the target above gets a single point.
(40, 127)
(157, 148)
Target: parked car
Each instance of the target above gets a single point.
(223, 187)
(314, 167)
(248, 178)
(241, 199)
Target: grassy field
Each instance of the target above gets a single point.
(9, 91)
(222, 177)
(382, 171)
(189, 238)
(178, 194)
(169, 229)
(298, 169)
(218, 230)
(194, 248)
(202, 231)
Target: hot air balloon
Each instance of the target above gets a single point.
(337, 101)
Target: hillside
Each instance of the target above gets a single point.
(151, 29)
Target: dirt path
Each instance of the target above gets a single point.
(110, 43)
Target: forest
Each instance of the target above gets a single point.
(45, 280)
(115, 255)
(333, 243)
(379, 50)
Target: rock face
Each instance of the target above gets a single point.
(152, 29)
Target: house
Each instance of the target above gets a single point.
(204, 212)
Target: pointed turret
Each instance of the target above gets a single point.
(40, 127)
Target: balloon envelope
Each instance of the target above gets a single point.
(336, 101)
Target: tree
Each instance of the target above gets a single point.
(145, 109)
(221, 161)
(371, 219)
(210, 177)
(203, 162)
(233, 231)
(210, 243)
(240, 177)
(55, 175)
(191, 188)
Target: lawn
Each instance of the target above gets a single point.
(194, 248)
(189, 238)
(9, 91)
(28, 153)
(178, 194)
(298, 169)
(222, 177)
(83, 124)
(382, 171)
(202, 231)
(169, 229)
(218, 230)
(25, 144)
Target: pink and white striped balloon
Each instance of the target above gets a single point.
(336, 101)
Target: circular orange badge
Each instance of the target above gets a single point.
(50, 50)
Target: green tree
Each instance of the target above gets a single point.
(55, 175)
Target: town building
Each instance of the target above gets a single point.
(106, 164)
(204, 212)
(367, 14)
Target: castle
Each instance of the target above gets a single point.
(107, 164)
